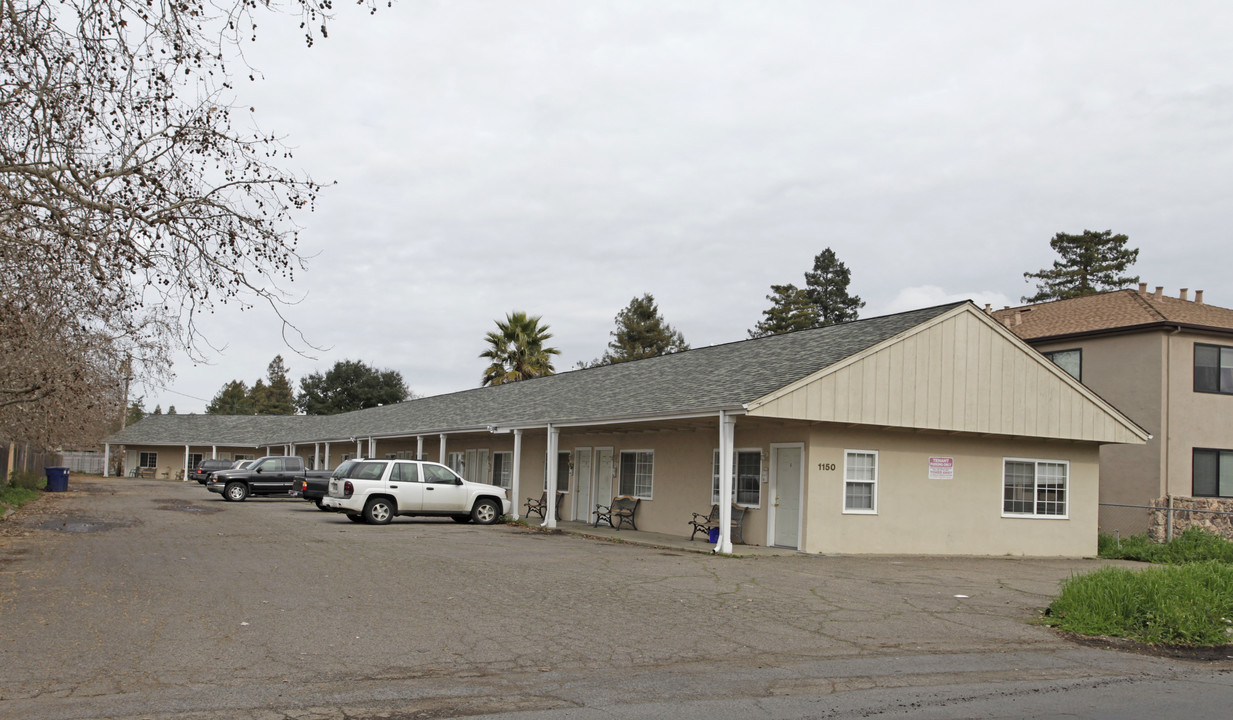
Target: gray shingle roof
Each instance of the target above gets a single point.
(711, 378)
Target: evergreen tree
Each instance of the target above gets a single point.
(136, 411)
(275, 396)
(1090, 263)
(171, 409)
(641, 332)
(232, 399)
(827, 288)
(350, 385)
(517, 350)
(158, 410)
(790, 310)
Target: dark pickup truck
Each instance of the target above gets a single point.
(315, 486)
(274, 475)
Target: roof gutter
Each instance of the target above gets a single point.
(499, 428)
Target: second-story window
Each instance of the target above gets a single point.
(1069, 360)
(1213, 369)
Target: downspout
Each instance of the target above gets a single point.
(1165, 434)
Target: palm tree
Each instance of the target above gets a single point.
(517, 350)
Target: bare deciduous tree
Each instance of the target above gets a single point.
(131, 197)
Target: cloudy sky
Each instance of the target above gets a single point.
(563, 157)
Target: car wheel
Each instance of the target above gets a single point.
(355, 518)
(461, 518)
(321, 505)
(235, 492)
(486, 511)
(378, 511)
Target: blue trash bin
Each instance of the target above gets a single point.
(57, 479)
(713, 535)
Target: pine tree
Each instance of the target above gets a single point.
(641, 332)
(1090, 263)
(158, 410)
(827, 288)
(171, 409)
(232, 399)
(275, 396)
(790, 310)
(136, 411)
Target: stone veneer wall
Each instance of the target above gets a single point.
(1188, 512)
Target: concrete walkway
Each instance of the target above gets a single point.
(658, 540)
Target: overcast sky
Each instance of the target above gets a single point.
(563, 157)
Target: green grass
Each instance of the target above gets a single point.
(1187, 604)
(1193, 545)
(21, 488)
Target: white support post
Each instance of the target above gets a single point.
(359, 452)
(372, 448)
(419, 448)
(106, 459)
(213, 452)
(327, 456)
(185, 477)
(727, 426)
(517, 474)
(554, 439)
(316, 456)
(442, 458)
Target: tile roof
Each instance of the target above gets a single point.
(700, 380)
(1111, 311)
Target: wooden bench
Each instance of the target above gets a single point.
(538, 507)
(147, 473)
(705, 523)
(620, 512)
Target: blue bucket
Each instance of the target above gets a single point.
(713, 534)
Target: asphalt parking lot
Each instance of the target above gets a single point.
(132, 598)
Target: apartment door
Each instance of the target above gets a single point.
(603, 476)
(786, 482)
(583, 481)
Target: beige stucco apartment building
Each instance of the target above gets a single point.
(1167, 363)
(936, 431)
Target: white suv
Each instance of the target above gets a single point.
(375, 491)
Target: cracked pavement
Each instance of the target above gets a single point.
(134, 599)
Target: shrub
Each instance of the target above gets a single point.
(1189, 604)
(27, 480)
(1193, 545)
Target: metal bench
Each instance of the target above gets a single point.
(705, 523)
(538, 507)
(619, 513)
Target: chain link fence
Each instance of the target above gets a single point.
(1168, 517)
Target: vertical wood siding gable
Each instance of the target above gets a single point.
(958, 375)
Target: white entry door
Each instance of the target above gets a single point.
(583, 480)
(603, 476)
(786, 502)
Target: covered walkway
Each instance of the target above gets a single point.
(658, 540)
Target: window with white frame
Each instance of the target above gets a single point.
(746, 478)
(147, 460)
(194, 460)
(503, 469)
(860, 481)
(1034, 488)
(454, 461)
(637, 473)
